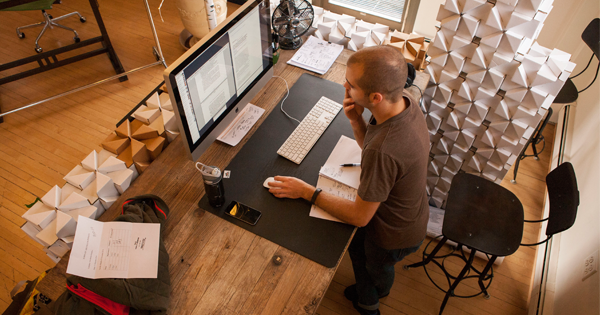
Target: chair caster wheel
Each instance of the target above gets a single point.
(77, 39)
(21, 35)
(487, 296)
(512, 181)
(82, 19)
(536, 158)
(50, 16)
(405, 267)
(156, 56)
(38, 50)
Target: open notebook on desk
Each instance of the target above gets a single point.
(338, 180)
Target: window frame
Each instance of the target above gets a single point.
(409, 14)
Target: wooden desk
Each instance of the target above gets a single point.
(215, 266)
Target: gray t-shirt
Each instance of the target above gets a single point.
(394, 172)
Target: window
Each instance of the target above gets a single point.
(397, 14)
(387, 9)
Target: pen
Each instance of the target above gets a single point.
(350, 164)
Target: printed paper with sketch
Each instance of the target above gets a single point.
(239, 127)
(316, 55)
(114, 249)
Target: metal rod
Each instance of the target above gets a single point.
(543, 280)
(548, 251)
(82, 88)
(563, 142)
(159, 50)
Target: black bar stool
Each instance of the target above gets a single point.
(481, 216)
(534, 140)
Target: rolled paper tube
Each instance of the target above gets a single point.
(211, 14)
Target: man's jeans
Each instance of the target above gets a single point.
(373, 268)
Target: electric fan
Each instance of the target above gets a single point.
(292, 19)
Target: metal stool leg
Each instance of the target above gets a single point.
(534, 140)
(458, 279)
(483, 276)
(429, 257)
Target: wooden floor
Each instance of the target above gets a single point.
(40, 145)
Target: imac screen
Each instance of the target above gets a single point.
(215, 77)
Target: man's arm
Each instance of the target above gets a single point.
(357, 213)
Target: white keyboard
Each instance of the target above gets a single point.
(304, 137)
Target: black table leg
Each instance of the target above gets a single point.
(112, 55)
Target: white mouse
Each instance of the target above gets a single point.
(269, 180)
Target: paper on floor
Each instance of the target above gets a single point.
(114, 250)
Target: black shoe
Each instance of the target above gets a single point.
(363, 311)
(351, 294)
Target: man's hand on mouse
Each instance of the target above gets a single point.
(291, 187)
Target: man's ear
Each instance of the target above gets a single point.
(375, 98)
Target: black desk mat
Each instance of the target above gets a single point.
(286, 221)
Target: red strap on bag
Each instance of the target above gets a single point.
(106, 304)
(155, 205)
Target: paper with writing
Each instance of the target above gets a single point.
(339, 180)
(114, 250)
(345, 151)
(334, 188)
(239, 127)
(316, 55)
(435, 223)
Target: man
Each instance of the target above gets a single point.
(391, 208)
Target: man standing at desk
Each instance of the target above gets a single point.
(391, 208)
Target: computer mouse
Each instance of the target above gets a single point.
(268, 180)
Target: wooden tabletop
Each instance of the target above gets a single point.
(215, 266)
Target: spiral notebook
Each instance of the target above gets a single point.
(341, 181)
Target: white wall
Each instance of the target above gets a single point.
(425, 21)
(568, 293)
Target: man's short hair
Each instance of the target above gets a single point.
(384, 71)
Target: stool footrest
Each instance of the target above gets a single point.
(486, 274)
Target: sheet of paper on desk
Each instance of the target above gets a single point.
(239, 127)
(114, 250)
(316, 55)
(334, 188)
(346, 151)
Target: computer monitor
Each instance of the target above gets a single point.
(215, 79)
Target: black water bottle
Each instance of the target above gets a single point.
(213, 184)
